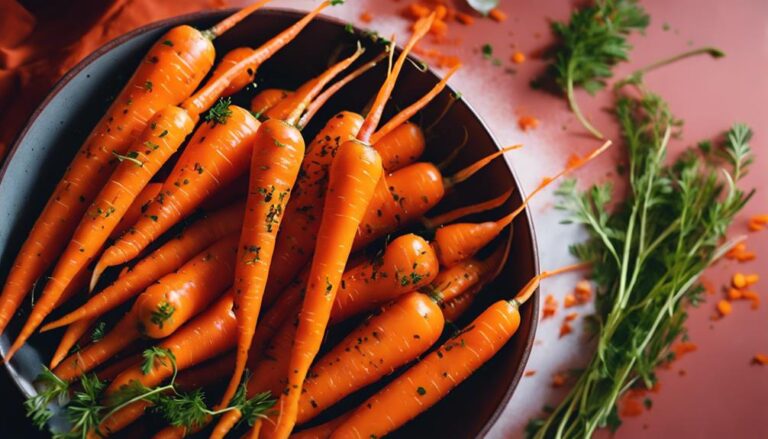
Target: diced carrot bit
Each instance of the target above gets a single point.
(707, 285)
(751, 279)
(498, 15)
(737, 249)
(752, 297)
(565, 329)
(573, 161)
(559, 379)
(518, 57)
(656, 387)
(450, 14)
(761, 359)
(440, 12)
(550, 306)
(739, 280)
(571, 316)
(530, 373)
(416, 11)
(439, 27)
(762, 218)
(724, 307)
(366, 17)
(755, 226)
(583, 291)
(683, 348)
(734, 294)
(631, 407)
(746, 256)
(465, 19)
(527, 122)
(569, 300)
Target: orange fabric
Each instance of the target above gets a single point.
(43, 41)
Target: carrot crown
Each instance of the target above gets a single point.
(374, 116)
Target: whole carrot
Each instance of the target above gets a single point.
(181, 58)
(166, 259)
(434, 376)
(133, 212)
(353, 176)
(401, 146)
(456, 242)
(277, 153)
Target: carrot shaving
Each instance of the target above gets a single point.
(497, 15)
(529, 373)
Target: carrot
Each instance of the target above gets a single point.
(404, 196)
(432, 378)
(323, 97)
(290, 109)
(353, 177)
(453, 215)
(208, 335)
(277, 153)
(460, 241)
(182, 57)
(163, 307)
(401, 146)
(166, 131)
(72, 336)
(234, 74)
(267, 99)
(322, 431)
(455, 308)
(215, 155)
(178, 296)
(166, 259)
(109, 372)
(133, 213)
(206, 374)
(376, 348)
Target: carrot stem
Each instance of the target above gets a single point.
(228, 23)
(527, 291)
(472, 169)
(453, 215)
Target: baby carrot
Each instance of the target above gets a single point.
(169, 257)
(277, 153)
(133, 212)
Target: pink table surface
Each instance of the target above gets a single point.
(715, 391)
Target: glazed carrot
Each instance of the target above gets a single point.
(166, 259)
(457, 242)
(205, 97)
(432, 378)
(453, 215)
(166, 131)
(323, 97)
(267, 99)
(291, 108)
(216, 154)
(412, 109)
(404, 196)
(376, 348)
(277, 153)
(133, 213)
(178, 296)
(182, 57)
(208, 335)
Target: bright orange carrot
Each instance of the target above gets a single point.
(178, 296)
(454, 309)
(72, 336)
(277, 153)
(181, 57)
(166, 131)
(353, 177)
(457, 242)
(453, 215)
(322, 431)
(401, 146)
(166, 259)
(266, 99)
(400, 333)
(208, 335)
(432, 378)
(216, 154)
(206, 374)
(108, 373)
(140, 204)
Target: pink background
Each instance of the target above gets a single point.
(722, 393)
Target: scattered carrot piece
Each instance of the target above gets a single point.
(683, 348)
(734, 294)
(439, 28)
(569, 301)
(465, 19)
(366, 17)
(631, 407)
(565, 329)
(559, 379)
(571, 316)
(751, 279)
(550, 306)
(518, 57)
(746, 256)
(583, 291)
(736, 250)
(530, 373)
(708, 286)
(761, 359)
(724, 307)
(497, 15)
(416, 11)
(752, 297)
(739, 280)
(757, 222)
(527, 123)
(440, 12)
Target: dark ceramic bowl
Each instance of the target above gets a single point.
(61, 123)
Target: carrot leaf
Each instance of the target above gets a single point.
(157, 355)
(50, 389)
(84, 409)
(219, 113)
(163, 312)
(98, 331)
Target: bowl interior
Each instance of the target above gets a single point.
(63, 121)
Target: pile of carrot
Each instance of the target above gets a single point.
(288, 244)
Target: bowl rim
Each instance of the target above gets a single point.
(293, 13)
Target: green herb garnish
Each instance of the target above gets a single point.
(220, 112)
